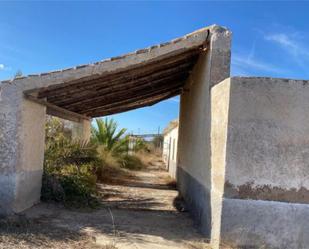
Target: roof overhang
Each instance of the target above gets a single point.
(119, 84)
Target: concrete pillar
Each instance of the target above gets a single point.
(22, 135)
(81, 130)
(194, 171)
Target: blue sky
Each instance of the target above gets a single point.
(269, 38)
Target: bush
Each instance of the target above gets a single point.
(52, 189)
(72, 190)
(74, 186)
(69, 168)
(63, 152)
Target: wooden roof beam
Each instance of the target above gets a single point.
(54, 110)
(113, 94)
(125, 101)
(135, 105)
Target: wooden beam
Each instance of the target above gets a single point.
(112, 95)
(111, 112)
(153, 65)
(58, 111)
(124, 86)
(90, 88)
(139, 104)
(137, 97)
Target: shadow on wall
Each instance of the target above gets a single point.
(193, 163)
(197, 200)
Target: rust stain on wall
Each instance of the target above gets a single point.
(266, 192)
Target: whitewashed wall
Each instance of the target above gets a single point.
(170, 151)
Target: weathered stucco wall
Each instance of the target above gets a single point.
(193, 177)
(259, 161)
(194, 157)
(243, 162)
(268, 144)
(22, 142)
(265, 224)
(170, 151)
(220, 99)
(21, 149)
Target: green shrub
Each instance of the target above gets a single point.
(52, 189)
(63, 152)
(69, 168)
(72, 190)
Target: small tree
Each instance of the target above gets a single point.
(106, 135)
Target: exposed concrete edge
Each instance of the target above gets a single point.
(282, 80)
(265, 203)
(220, 100)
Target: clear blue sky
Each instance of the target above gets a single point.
(269, 38)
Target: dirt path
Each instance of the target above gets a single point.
(136, 214)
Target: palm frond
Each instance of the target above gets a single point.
(105, 134)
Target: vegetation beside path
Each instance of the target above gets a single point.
(72, 168)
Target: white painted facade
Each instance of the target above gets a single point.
(170, 149)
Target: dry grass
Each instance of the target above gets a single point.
(109, 247)
(114, 175)
(146, 157)
(18, 232)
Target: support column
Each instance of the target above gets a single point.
(194, 165)
(82, 130)
(22, 135)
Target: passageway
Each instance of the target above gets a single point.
(137, 212)
(187, 66)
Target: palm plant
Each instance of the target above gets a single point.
(106, 134)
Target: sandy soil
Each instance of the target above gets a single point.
(136, 213)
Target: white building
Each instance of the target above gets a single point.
(170, 147)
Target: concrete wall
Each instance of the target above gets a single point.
(243, 162)
(170, 151)
(268, 142)
(194, 146)
(264, 224)
(220, 100)
(193, 176)
(22, 142)
(81, 130)
(260, 162)
(22, 136)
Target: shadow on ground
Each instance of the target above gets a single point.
(135, 214)
(21, 232)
